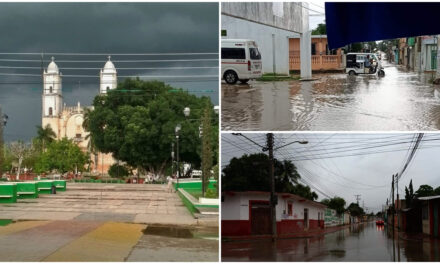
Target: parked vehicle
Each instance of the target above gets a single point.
(241, 60)
(364, 63)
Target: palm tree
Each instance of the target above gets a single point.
(90, 145)
(45, 135)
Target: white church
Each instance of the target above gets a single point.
(66, 121)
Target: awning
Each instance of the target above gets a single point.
(370, 21)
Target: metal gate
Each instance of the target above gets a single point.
(261, 218)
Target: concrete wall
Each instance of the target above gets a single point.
(236, 222)
(236, 207)
(283, 15)
(332, 218)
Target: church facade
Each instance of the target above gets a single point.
(67, 121)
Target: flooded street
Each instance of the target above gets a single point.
(364, 242)
(402, 100)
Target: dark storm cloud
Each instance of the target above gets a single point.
(107, 28)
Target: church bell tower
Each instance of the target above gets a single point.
(108, 78)
(52, 91)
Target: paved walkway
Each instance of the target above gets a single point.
(77, 240)
(143, 203)
(104, 222)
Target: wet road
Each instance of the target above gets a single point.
(365, 242)
(402, 100)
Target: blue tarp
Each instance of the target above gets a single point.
(370, 21)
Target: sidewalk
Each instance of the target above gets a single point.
(296, 235)
(76, 241)
(138, 203)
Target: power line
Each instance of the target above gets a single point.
(319, 12)
(106, 54)
(240, 134)
(317, 5)
(104, 61)
(130, 68)
(122, 76)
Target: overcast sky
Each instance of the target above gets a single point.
(107, 28)
(316, 13)
(368, 174)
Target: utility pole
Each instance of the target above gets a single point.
(397, 199)
(273, 198)
(172, 159)
(392, 187)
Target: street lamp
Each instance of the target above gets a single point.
(5, 119)
(177, 129)
(186, 111)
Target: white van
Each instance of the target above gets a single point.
(241, 60)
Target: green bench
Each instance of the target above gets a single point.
(27, 190)
(8, 193)
(45, 187)
(60, 185)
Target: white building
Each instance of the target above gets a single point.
(429, 53)
(66, 121)
(248, 213)
(270, 24)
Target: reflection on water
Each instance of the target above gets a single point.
(364, 242)
(401, 100)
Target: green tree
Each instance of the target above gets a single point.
(437, 191)
(206, 149)
(304, 191)
(136, 122)
(63, 156)
(425, 190)
(91, 148)
(355, 210)
(321, 29)
(409, 195)
(251, 173)
(356, 47)
(118, 171)
(336, 203)
(8, 160)
(216, 174)
(45, 136)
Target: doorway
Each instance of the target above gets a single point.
(260, 217)
(306, 219)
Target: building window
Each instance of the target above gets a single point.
(50, 89)
(50, 111)
(108, 88)
(78, 135)
(289, 209)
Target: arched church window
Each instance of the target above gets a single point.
(50, 111)
(50, 89)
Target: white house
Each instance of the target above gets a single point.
(248, 213)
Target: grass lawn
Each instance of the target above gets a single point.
(196, 193)
(270, 77)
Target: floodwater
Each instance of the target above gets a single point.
(402, 100)
(363, 242)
